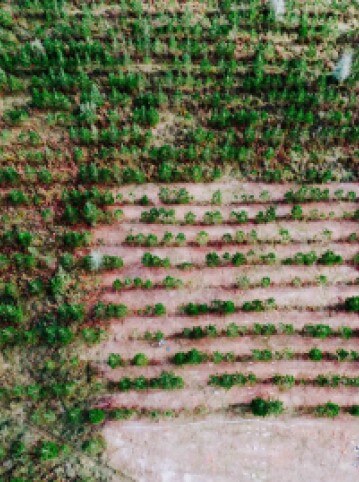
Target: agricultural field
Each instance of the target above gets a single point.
(179, 241)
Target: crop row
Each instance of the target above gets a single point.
(212, 259)
(319, 330)
(202, 238)
(222, 307)
(196, 357)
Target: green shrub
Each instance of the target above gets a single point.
(71, 313)
(94, 446)
(172, 283)
(329, 259)
(228, 380)
(266, 216)
(352, 304)
(192, 357)
(239, 216)
(152, 261)
(114, 360)
(262, 355)
(158, 215)
(238, 259)
(111, 310)
(297, 212)
(212, 217)
(263, 408)
(48, 451)
(284, 381)
(354, 410)
(76, 239)
(140, 360)
(96, 416)
(327, 410)
(197, 332)
(317, 331)
(175, 196)
(17, 197)
(213, 260)
(315, 354)
(11, 314)
(166, 381)
(111, 262)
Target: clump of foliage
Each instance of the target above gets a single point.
(264, 408)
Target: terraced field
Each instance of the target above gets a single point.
(223, 304)
(179, 240)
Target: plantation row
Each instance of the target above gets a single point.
(258, 407)
(195, 357)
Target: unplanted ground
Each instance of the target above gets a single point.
(223, 448)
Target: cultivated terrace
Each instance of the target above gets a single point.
(179, 220)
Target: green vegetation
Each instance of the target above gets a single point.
(98, 100)
(264, 408)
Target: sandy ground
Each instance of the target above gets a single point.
(170, 325)
(227, 276)
(133, 213)
(115, 234)
(197, 255)
(221, 448)
(286, 297)
(231, 190)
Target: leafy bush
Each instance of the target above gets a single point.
(327, 410)
(96, 416)
(216, 306)
(17, 197)
(158, 215)
(352, 304)
(11, 314)
(114, 360)
(172, 283)
(297, 212)
(266, 216)
(197, 332)
(140, 360)
(259, 305)
(238, 259)
(306, 259)
(315, 354)
(239, 216)
(263, 408)
(76, 239)
(284, 381)
(262, 355)
(166, 381)
(354, 410)
(329, 258)
(317, 331)
(68, 313)
(111, 310)
(175, 196)
(192, 357)
(152, 261)
(212, 217)
(213, 260)
(48, 450)
(228, 380)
